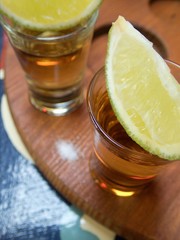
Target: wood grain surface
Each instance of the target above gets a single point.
(155, 212)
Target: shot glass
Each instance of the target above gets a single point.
(54, 64)
(117, 163)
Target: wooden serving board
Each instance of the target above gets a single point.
(61, 146)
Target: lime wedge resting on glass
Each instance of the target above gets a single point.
(48, 15)
(144, 95)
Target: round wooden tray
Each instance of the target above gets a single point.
(61, 146)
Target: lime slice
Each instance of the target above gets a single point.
(48, 15)
(143, 93)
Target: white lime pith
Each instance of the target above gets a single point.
(144, 95)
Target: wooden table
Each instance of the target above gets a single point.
(153, 214)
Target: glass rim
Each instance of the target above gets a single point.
(103, 133)
(172, 62)
(90, 21)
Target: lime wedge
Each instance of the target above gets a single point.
(143, 93)
(48, 15)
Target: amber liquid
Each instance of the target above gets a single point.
(118, 170)
(109, 122)
(54, 64)
(54, 70)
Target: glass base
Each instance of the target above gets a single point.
(57, 109)
(112, 187)
(114, 182)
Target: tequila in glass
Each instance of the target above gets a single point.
(118, 164)
(54, 63)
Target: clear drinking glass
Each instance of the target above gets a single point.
(118, 164)
(54, 63)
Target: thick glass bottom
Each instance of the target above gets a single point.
(57, 108)
(117, 183)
